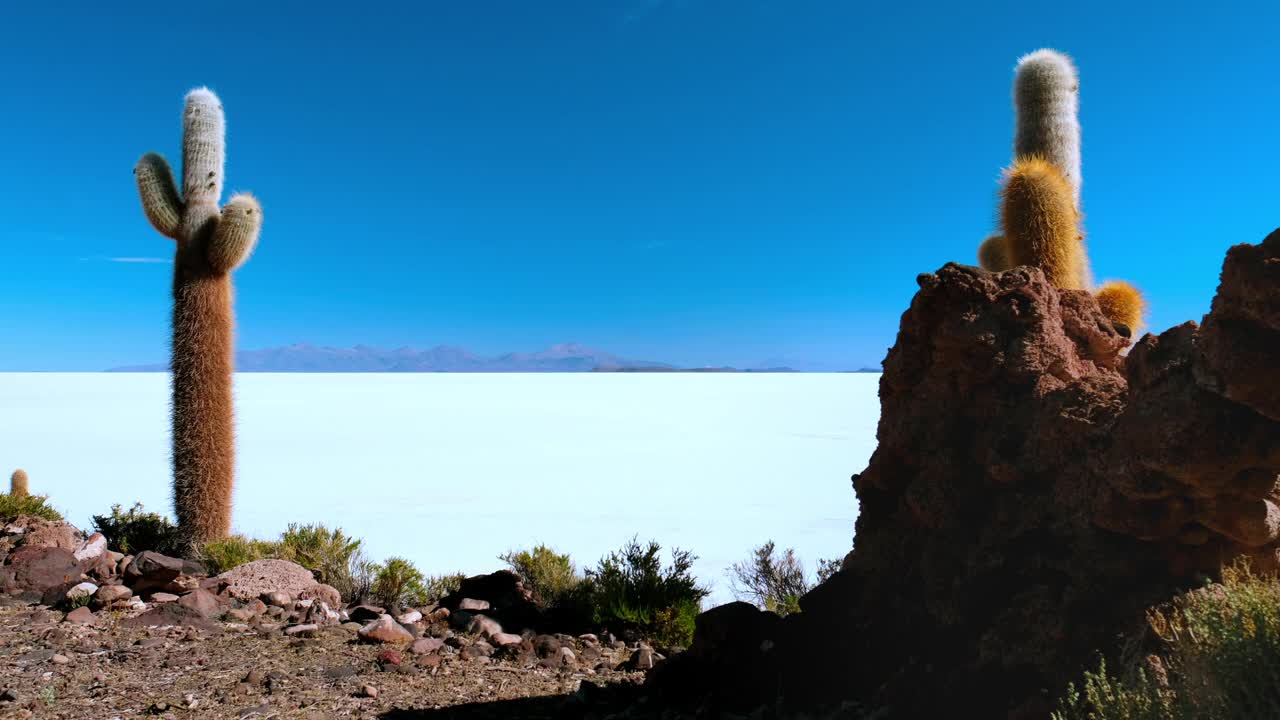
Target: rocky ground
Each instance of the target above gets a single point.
(57, 668)
(89, 633)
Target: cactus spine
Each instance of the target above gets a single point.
(1039, 219)
(210, 244)
(18, 484)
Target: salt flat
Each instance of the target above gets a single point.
(451, 470)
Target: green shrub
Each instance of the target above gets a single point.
(771, 580)
(827, 568)
(399, 584)
(1104, 697)
(135, 530)
(549, 575)
(223, 554)
(335, 559)
(630, 587)
(1221, 659)
(437, 586)
(673, 626)
(14, 506)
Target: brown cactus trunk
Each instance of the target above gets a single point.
(203, 424)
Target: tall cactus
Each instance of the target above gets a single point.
(18, 484)
(1046, 98)
(1040, 201)
(210, 244)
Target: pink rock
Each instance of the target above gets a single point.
(327, 594)
(108, 594)
(302, 630)
(79, 616)
(94, 547)
(426, 646)
(502, 639)
(385, 630)
(485, 626)
(202, 601)
(473, 605)
(390, 657)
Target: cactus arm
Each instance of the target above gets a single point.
(236, 234)
(993, 255)
(160, 199)
(203, 148)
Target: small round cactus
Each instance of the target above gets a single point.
(18, 484)
(993, 255)
(1122, 303)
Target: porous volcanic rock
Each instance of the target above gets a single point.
(252, 579)
(1033, 491)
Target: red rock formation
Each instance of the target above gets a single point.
(1033, 491)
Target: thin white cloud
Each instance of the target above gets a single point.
(166, 261)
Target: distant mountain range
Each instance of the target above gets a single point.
(566, 357)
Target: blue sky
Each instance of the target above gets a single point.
(685, 180)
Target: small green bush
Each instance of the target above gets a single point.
(1221, 659)
(14, 506)
(673, 626)
(437, 586)
(631, 587)
(135, 530)
(225, 553)
(335, 558)
(827, 568)
(548, 574)
(771, 580)
(399, 584)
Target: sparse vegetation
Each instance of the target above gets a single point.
(437, 586)
(13, 506)
(335, 558)
(774, 580)
(631, 588)
(827, 568)
(548, 574)
(134, 530)
(1221, 659)
(398, 583)
(223, 554)
(771, 580)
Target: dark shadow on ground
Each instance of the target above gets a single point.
(591, 701)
